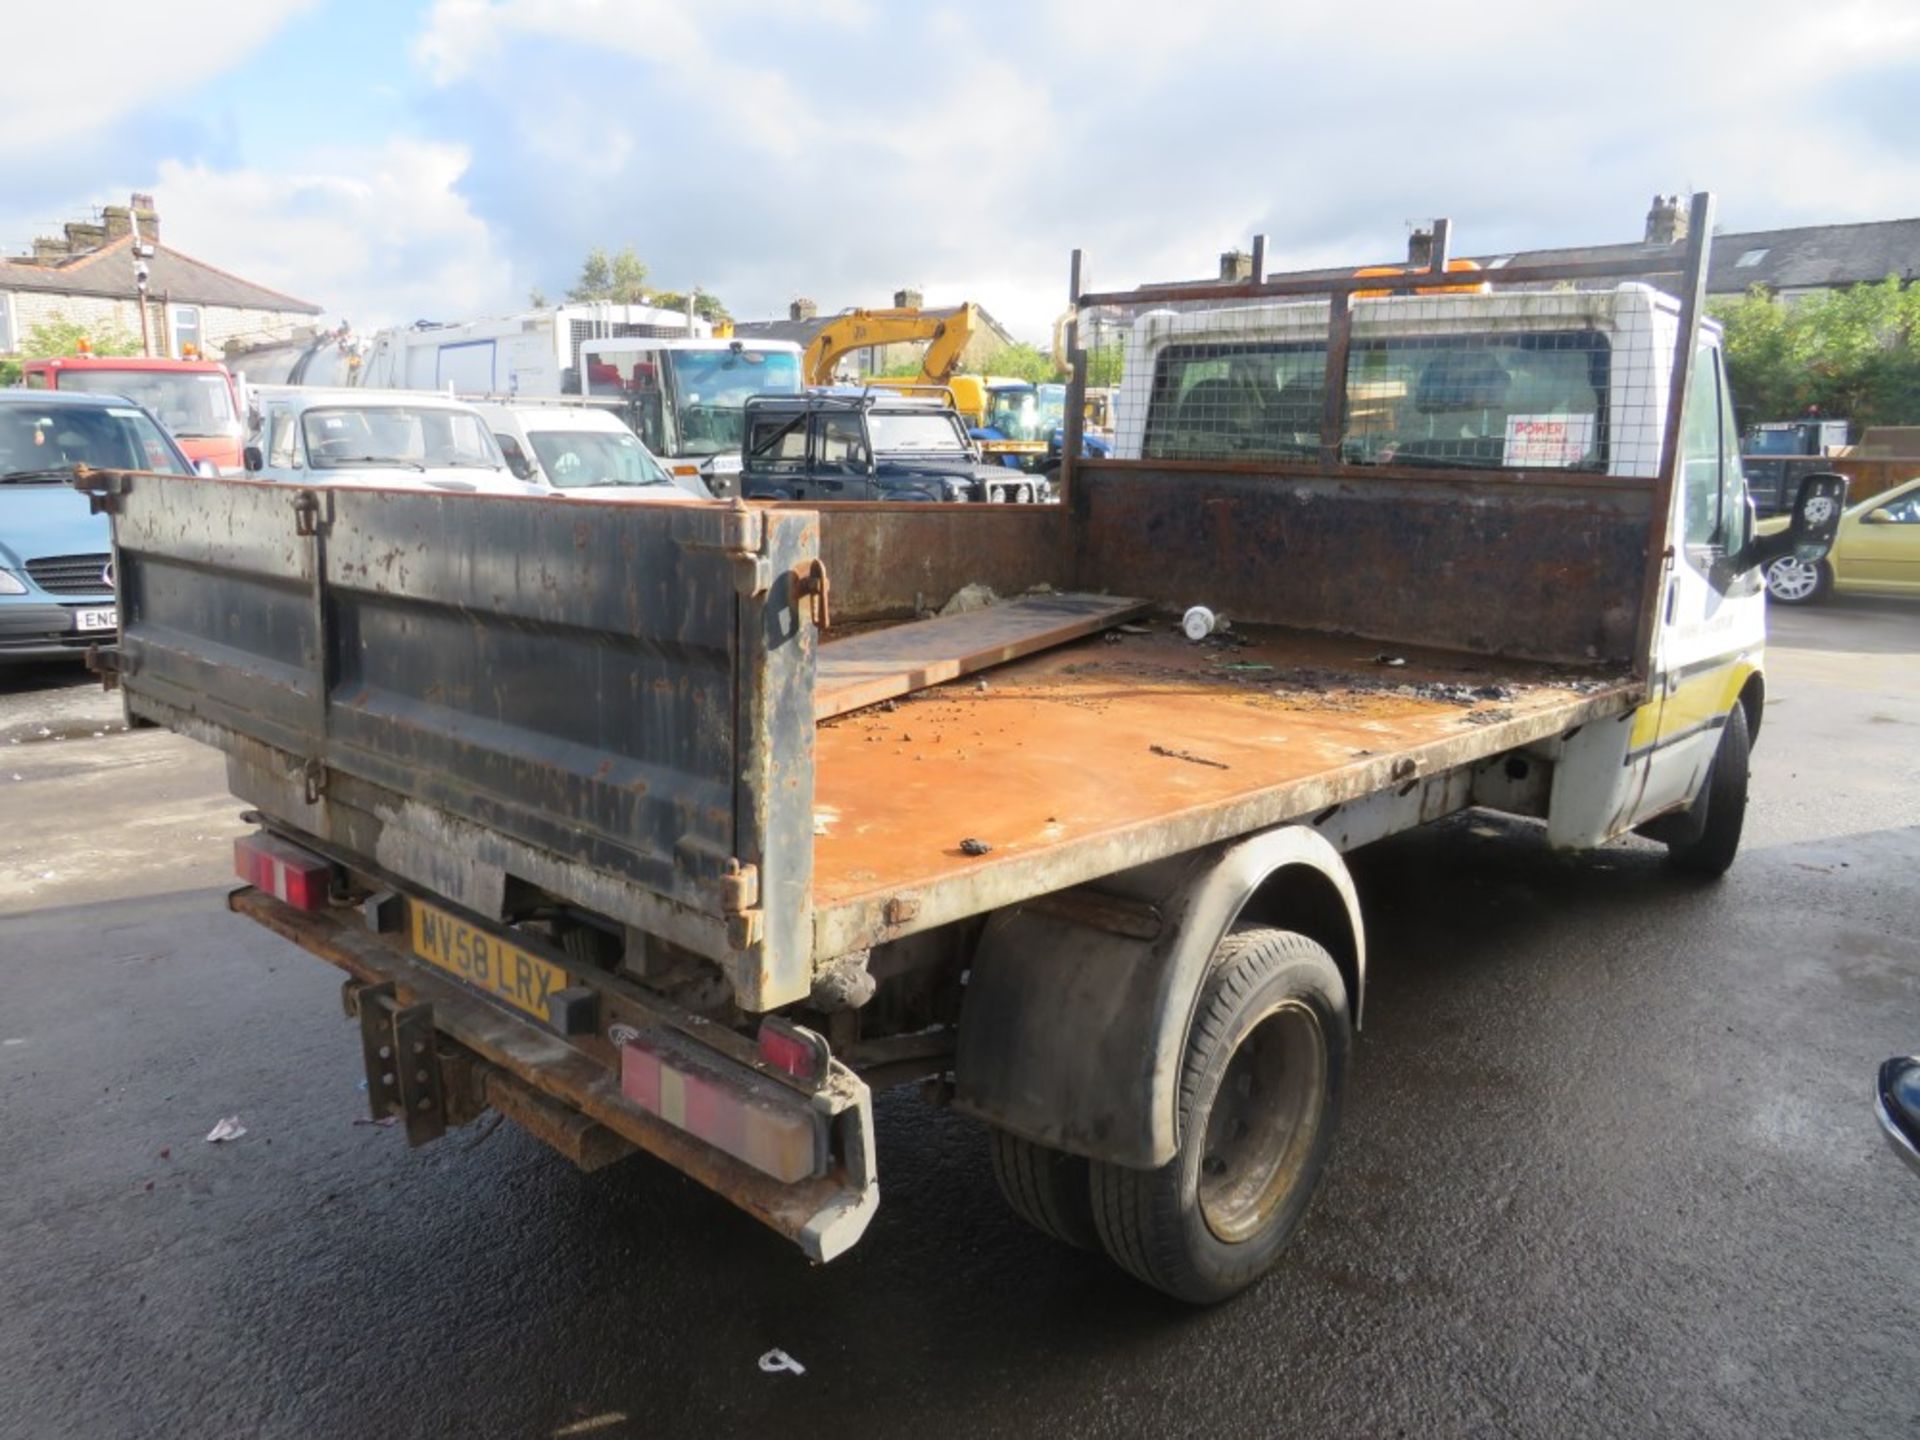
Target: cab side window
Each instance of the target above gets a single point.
(1712, 483)
(283, 452)
(839, 444)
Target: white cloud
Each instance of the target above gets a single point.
(379, 235)
(76, 70)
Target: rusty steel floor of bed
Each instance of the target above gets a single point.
(1124, 747)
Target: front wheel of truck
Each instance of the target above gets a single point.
(1711, 850)
(1260, 1089)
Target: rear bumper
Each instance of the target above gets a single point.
(568, 1090)
(38, 629)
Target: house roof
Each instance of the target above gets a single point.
(108, 272)
(1805, 257)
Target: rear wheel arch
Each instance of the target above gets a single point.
(1310, 901)
(1073, 1033)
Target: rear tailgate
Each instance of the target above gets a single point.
(501, 700)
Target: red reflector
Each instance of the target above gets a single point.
(283, 871)
(744, 1114)
(786, 1046)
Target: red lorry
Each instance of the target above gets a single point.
(195, 399)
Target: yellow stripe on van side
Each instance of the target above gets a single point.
(1700, 698)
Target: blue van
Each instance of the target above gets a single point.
(56, 557)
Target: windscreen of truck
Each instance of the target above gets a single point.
(1776, 440)
(573, 458)
(418, 437)
(1016, 414)
(194, 405)
(1530, 400)
(711, 387)
(36, 440)
(917, 434)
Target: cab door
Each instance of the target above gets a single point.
(1713, 622)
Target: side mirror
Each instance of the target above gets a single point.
(1898, 1105)
(1809, 535)
(253, 459)
(519, 466)
(1876, 517)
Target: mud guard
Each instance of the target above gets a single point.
(1078, 1005)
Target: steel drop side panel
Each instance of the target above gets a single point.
(500, 699)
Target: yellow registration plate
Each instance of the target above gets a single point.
(485, 961)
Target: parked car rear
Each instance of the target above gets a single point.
(56, 556)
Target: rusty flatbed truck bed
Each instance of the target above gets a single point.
(607, 835)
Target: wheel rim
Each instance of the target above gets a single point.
(1792, 578)
(1262, 1122)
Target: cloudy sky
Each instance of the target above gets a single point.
(397, 159)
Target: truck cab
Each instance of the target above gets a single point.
(686, 398)
(196, 400)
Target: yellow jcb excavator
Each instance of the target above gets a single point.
(946, 331)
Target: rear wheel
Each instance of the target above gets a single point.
(1265, 1067)
(1793, 581)
(1045, 1187)
(1711, 850)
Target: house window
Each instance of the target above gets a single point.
(1750, 259)
(7, 342)
(186, 330)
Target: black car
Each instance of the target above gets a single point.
(867, 445)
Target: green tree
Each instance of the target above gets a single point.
(58, 335)
(618, 279)
(1852, 354)
(1021, 362)
(537, 298)
(707, 307)
(1104, 365)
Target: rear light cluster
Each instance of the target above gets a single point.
(757, 1121)
(284, 871)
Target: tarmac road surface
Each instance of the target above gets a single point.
(1608, 1165)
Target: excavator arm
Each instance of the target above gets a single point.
(948, 332)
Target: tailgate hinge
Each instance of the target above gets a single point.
(103, 488)
(313, 780)
(740, 533)
(310, 512)
(739, 887)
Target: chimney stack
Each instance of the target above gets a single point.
(49, 250)
(117, 220)
(149, 218)
(1666, 221)
(907, 299)
(1420, 249)
(84, 235)
(1236, 265)
(802, 309)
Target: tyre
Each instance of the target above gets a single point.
(1712, 850)
(1047, 1188)
(1260, 1089)
(1793, 581)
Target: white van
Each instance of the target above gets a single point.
(583, 450)
(392, 439)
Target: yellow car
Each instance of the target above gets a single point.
(1877, 552)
